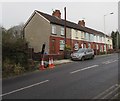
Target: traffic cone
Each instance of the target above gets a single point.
(52, 63)
(42, 65)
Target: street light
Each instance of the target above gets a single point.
(104, 29)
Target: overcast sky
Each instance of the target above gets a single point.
(14, 13)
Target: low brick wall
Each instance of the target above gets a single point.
(38, 56)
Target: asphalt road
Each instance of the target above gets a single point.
(90, 79)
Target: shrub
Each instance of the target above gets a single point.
(101, 53)
(18, 69)
(7, 68)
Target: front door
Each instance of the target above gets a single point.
(53, 46)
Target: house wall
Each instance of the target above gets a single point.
(55, 48)
(74, 36)
(37, 31)
(58, 31)
(54, 39)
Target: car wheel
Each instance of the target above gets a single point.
(83, 58)
(92, 57)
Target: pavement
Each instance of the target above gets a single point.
(58, 62)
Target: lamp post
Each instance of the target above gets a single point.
(105, 30)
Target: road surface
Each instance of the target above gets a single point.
(90, 79)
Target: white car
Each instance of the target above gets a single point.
(82, 54)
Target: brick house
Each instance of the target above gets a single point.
(49, 29)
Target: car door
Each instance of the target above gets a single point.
(88, 53)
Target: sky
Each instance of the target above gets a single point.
(15, 13)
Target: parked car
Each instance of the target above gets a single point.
(82, 54)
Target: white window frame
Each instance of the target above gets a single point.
(76, 34)
(62, 31)
(89, 45)
(95, 38)
(53, 29)
(105, 48)
(82, 35)
(76, 46)
(97, 46)
(62, 44)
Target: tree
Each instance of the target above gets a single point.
(115, 39)
(17, 31)
(14, 50)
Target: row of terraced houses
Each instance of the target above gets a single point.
(49, 29)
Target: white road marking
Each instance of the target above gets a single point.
(106, 91)
(24, 88)
(109, 61)
(84, 69)
(115, 96)
(110, 93)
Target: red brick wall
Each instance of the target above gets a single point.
(70, 43)
(57, 45)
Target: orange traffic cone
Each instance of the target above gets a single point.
(52, 64)
(42, 65)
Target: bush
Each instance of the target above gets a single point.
(7, 68)
(14, 54)
(11, 69)
(101, 53)
(18, 69)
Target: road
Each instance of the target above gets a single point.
(90, 79)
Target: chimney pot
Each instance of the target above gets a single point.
(81, 23)
(57, 14)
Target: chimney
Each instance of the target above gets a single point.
(81, 23)
(57, 14)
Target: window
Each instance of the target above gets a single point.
(104, 47)
(62, 30)
(82, 45)
(76, 34)
(101, 48)
(97, 46)
(82, 35)
(53, 29)
(100, 39)
(89, 45)
(76, 46)
(89, 37)
(62, 44)
(85, 36)
(94, 38)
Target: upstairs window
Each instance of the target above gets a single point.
(82, 35)
(76, 34)
(62, 31)
(94, 38)
(53, 29)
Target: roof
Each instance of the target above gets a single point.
(69, 24)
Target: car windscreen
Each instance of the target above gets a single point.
(81, 50)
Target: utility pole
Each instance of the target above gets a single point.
(65, 26)
(105, 30)
(65, 32)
